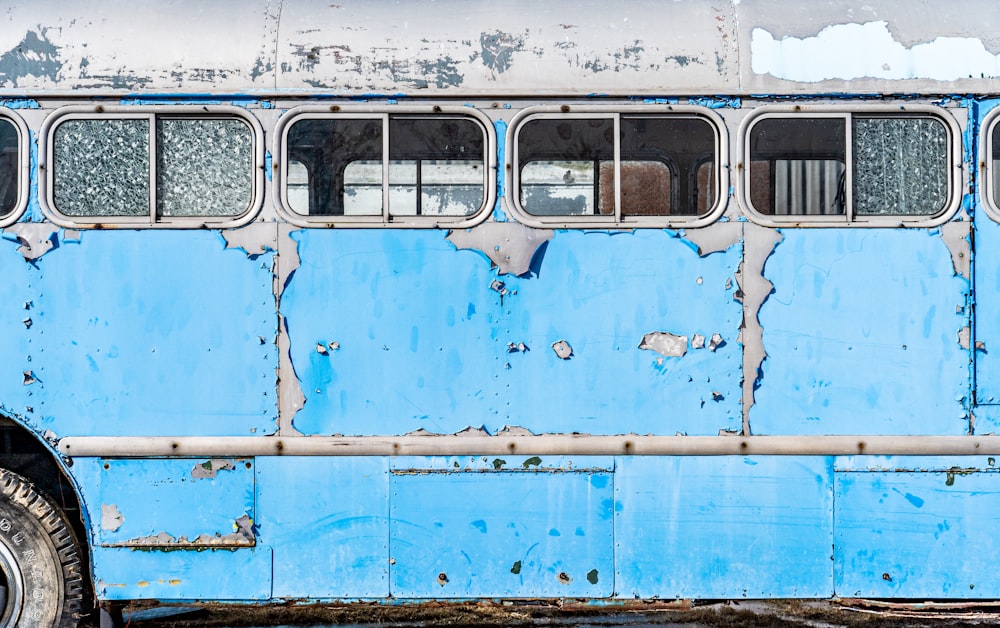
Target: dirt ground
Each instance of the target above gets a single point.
(771, 614)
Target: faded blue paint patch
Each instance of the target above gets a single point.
(181, 497)
(600, 293)
(714, 527)
(125, 574)
(34, 210)
(862, 335)
(886, 548)
(18, 314)
(146, 333)
(19, 103)
(499, 214)
(987, 330)
(439, 552)
(327, 520)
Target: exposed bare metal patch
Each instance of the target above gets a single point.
(111, 518)
(510, 246)
(665, 343)
(562, 349)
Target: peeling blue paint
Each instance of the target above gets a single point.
(846, 346)
(499, 214)
(19, 103)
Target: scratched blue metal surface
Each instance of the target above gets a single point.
(540, 531)
(126, 574)
(424, 339)
(917, 535)
(862, 335)
(987, 328)
(16, 397)
(327, 523)
(171, 496)
(161, 495)
(167, 327)
(723, 527)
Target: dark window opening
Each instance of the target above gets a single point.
(436, 166)
(9, 174)
(666, 166)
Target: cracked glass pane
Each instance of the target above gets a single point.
(900, 166)
(8, 167)
(203, 167)
(101, 167)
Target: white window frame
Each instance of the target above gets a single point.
(46, 180)
(22, 174)
(615, 220)
(848, 219)
(386, 219)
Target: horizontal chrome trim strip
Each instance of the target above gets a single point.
(554, 444)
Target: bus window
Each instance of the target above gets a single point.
(203, 167)
(616, 167)
(102, 167)
(436, 166)
(899, 166)
(9, 178)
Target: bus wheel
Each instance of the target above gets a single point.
(40, 581)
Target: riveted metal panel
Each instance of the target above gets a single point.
(519, 531)
(732, 527)
(327, 522)
(919, 535)
(862, 335)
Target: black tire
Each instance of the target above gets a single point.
(40, 580)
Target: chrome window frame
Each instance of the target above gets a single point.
(614, 221)
(953, 200)
(46, 180)
(386, 219)
(23, 170)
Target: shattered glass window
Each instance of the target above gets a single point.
(436, 166)
(101, 167)
(666, 166)
(203, 167)
(8, 167)
(900, 165)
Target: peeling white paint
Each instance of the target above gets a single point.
(850, 51)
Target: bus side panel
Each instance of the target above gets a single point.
(151, 333)
(862, 335)
(17, 369)
(987, 339)
(326, 519)
(723, 527)
(179, 528)
(417, 335)
(390, 332)
(917, 534)
(535, 527)
(608, 296)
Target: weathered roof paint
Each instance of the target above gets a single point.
(372, 49)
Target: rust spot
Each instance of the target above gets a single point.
(564, 108)
(887, 577)
(442, 578)
(564, 577)
(861, 446)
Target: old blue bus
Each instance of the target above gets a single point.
(396, 302)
